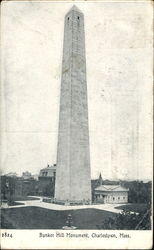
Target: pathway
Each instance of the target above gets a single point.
(39, 203)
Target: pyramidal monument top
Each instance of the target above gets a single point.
(75, 8)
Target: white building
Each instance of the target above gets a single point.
(111, 194)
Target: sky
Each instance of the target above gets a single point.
(118, 37)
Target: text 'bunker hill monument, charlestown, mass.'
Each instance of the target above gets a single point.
(73, 178)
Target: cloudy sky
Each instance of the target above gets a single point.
(119, 81)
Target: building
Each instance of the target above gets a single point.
(111, 194)
(27, 175)
(11, 174)
(49, 171)
(100, 180)
(73, 178)
(35, 176)
(47, 180)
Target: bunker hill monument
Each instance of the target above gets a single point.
(73, 180)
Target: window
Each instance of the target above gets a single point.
(68, 18)
(113, 198)
(124, 198)
(78, 18)
(118, 198)
(45, 173)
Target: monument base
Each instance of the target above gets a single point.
(72, 202)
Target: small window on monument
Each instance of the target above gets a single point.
(78, 17)
(68, 18)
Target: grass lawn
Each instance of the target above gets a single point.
(41, 218)
(134, 207)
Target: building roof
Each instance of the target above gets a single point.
(49, 168)
(11, 174)
(110, 188)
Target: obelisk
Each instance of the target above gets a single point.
(73, 180)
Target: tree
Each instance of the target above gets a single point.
(128, 221)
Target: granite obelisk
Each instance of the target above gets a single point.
(73, 180)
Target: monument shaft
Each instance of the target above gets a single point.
(73, 181)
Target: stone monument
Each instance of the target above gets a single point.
(73, 179)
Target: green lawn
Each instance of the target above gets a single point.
(41, 218)
(134, 207)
